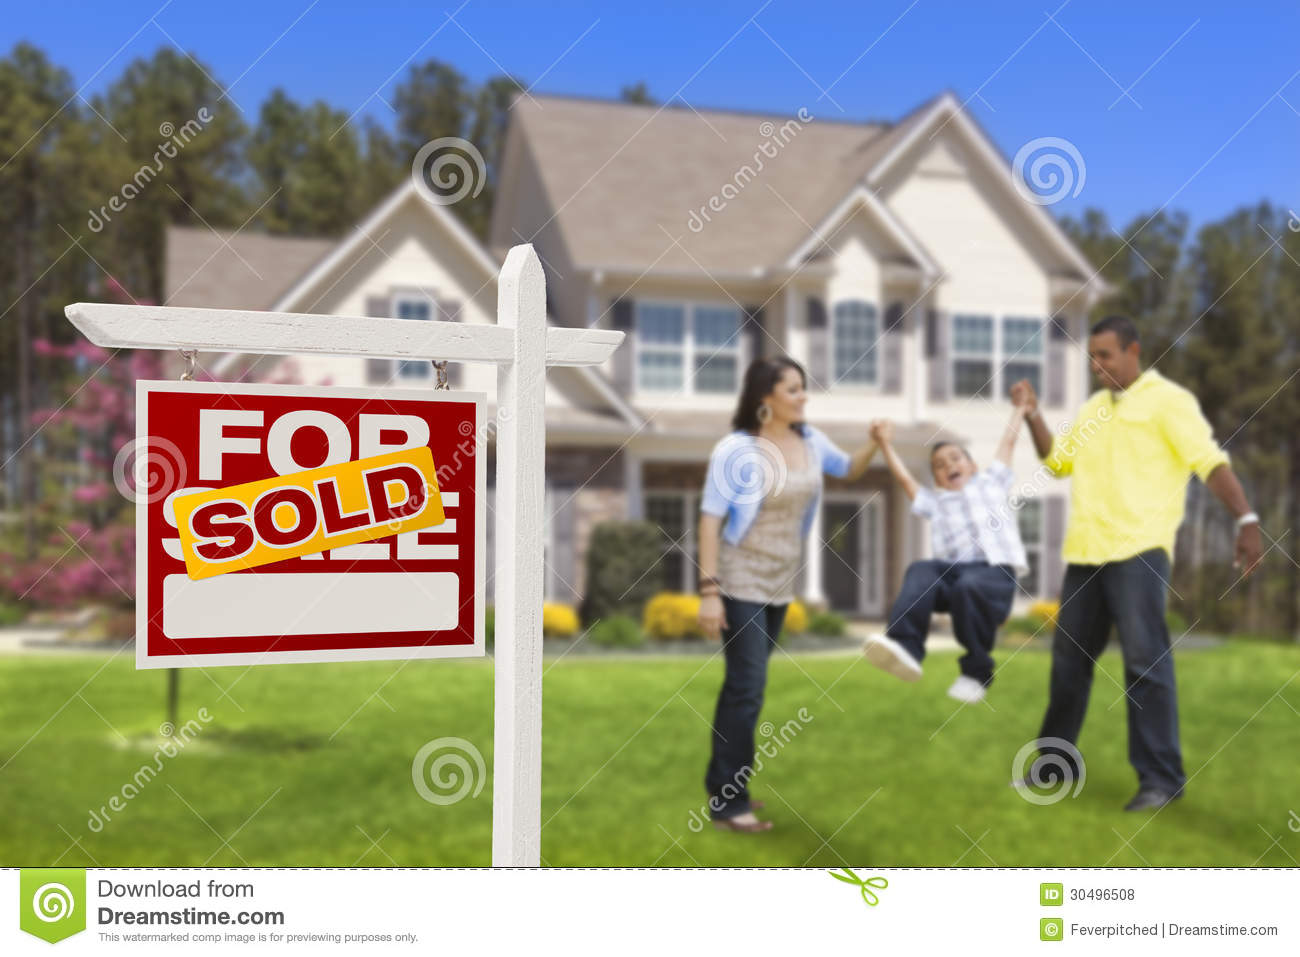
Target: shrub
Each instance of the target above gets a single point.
(489, 625)
(1028, 626)
(1176, 623)
(559, 620)
(1045, 611)
(618, 557)
(617, 631)
(11, 614)
(672, 615)
(827, 623)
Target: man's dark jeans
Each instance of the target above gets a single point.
(747, 643)
(977, 595)
(1129, 594)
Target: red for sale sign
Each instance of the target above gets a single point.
(295, 524)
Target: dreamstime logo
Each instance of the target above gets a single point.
(448, 169)
(776, 739)
(53, 902)
(174, 741)
(1294, 822)
(174, 140)
(1047, 170)
(1071, 441)
(1062, 766)
(1293, 223)
(453, 765)
(774, 139)
(155, 466)
(749, 469)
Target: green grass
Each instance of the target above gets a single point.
(900, 776)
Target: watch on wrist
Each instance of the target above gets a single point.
(1250, 518)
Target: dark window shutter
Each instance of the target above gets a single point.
(379, 371)
(752, 335)
(892, 354)
(936, 351)
(1053, 539)
(622, 317)
(1058, 338)
(819, 344)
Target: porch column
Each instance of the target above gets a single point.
(632, 486)
(814, 594)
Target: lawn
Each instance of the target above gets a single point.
(311, 765)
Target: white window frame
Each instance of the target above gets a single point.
(999, 356)
(426, 368)
(1036, 547)
(688, 349)
(836, 381)
(689, 544)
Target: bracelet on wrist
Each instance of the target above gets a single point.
(1250, 518)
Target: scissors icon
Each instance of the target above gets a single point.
(867, 894)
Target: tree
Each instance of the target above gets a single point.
(309, 163)
(637, 93)
(170, 105)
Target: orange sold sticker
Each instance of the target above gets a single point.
(243, 526)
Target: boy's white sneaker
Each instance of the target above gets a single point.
(888, 655)
(967, 689)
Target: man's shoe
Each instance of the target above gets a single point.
(888, 655)
(967, 689)
(1148, 799)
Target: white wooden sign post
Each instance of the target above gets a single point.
(522, 346)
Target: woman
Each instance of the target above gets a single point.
(765, 480)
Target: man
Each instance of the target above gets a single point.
(1129, 453)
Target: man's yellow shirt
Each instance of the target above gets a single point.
(1130, 457)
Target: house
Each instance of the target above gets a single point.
(896, 262)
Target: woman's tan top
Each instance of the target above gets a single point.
(764, 566)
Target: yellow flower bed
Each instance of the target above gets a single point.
(559, 620)
(672, 615)
(796, 618)
(1045, 611)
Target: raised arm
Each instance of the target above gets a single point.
(1008, 443)
(1025, 399)
(883, 432)
(860, 459)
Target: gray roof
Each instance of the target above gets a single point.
(224, 270)
(621, 179)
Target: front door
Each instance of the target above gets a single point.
(851, 560)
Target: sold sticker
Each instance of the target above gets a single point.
(244, 526)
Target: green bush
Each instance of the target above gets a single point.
(11, 614)
(489, 625)
(827, 623)
(1027, 625)
(1176, 623)
(617, 631)
(618, 557)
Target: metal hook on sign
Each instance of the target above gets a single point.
(188, 355)
(440, 366)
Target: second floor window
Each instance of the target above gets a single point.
(687, 347)
(413, 308)
(988, 356)
(855, 332)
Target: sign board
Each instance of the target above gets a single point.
(296, 524)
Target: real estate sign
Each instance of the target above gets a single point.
(295, 524)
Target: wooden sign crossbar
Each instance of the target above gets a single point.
(522, 346)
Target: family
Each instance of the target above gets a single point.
(1129, 454)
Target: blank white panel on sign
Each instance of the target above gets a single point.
(317, 603)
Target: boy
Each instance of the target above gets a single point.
(977, 555)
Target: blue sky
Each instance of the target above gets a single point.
(1210, 120)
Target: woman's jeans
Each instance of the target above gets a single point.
(747, 643)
